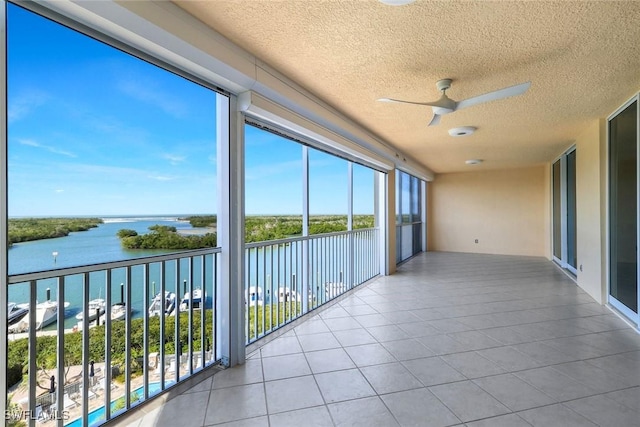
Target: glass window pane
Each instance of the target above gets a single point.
(571, 210)
(363, 197)
(405, 195)
(328, 193)
(96, 132)
(623, 207)
(415, 199)
(273, 186)
(557, 210)
(398, 197)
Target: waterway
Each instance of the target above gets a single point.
(97, 245)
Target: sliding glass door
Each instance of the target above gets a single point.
(564, 211)
(623, 210)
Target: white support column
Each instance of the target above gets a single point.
(350, 275)
(307, 276)
(424, 205)
(4, 270)
(382, 196)
(230, 304)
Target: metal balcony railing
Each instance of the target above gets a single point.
(287, 278)
(145, 325)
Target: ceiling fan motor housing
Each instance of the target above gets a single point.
(443, 84)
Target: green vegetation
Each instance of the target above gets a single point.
(257, 229)
(280, 312)
(46, 353)
(27, 229)
(263, 228)
(202, 220)
(165, 237)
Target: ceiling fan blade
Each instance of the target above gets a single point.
(434, 120)
(430, 104)
(493, 96)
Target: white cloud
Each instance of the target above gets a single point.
(32, 143)
(23, 104)
(59, 191)
(154, 96)
(162, 178)
(174, 159)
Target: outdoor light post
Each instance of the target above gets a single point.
(55, 255)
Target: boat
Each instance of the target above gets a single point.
(118, 311)
(46, 314)
(163, 304)
(15, 312)
(196, 301)
(286, 295)
(255, 296)
(96, 307)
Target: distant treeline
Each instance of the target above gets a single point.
(257, 229)
(28, 229)
(165, 237)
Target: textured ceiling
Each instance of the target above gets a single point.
(582, 58)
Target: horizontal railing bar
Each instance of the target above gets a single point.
(26, 277)
(303, 238)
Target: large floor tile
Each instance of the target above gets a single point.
(390, 378)
(370, 412)
(343, 385)
(309, 417)
(555, 384)
(236, 403)
(468, 401)
(513, 392)
(407, 349)
(604, 411)
(287, 366)
(249, 372)
(509, 420)
(369, 354)
(320, 341)
(432, 371)
(329, 360)
(472, 365)
(555, 416)
(354, 337)
(419, 408)
(292, 393)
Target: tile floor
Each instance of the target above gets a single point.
(451, 339)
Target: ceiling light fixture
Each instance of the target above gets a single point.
(462, 131)
(473, 161)
(396, 2)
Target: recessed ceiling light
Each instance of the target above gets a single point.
(462, 131)
(396, 2)
(473, 161)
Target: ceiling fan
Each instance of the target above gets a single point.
(446, 105)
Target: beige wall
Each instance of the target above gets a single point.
(591, 208)
(506, 210)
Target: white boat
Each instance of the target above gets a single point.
(118, 311)
(46, 314)
(255, 296)
(95, 306)
(15, 312)
(162, 304)
(196, 301)
(286, 295)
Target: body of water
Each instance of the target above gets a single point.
(95, 246)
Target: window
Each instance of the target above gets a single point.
(409, 226)
(94, 132)
(564, 211)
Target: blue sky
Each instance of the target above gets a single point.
(95, 131)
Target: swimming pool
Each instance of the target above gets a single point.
(97, 415)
